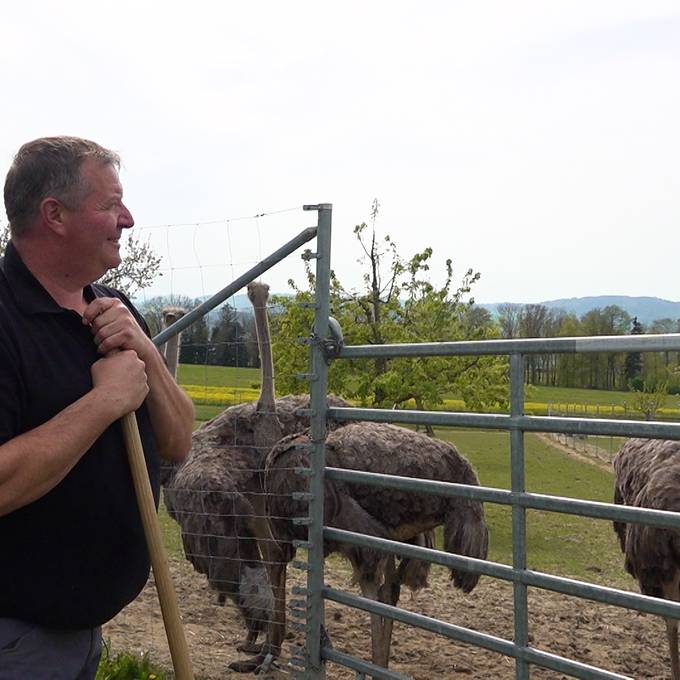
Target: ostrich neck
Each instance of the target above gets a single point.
(172, 354)
(265, 403)
(267, 426)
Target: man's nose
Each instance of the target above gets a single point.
(126, 219)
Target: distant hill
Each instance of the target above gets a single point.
(647, 309)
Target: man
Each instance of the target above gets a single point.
(74, 358)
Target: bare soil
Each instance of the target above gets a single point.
(615, 639)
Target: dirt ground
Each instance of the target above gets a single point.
(615, 639)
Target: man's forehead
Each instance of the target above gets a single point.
(101, 174)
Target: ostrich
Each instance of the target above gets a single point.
(216, 495)
(648, 476)
(385, 513)
(170, 350)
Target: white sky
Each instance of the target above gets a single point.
(537, 142)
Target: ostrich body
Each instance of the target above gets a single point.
(648, 476)
(382, 512)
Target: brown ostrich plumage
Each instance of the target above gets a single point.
(386, 513)
(381, 512)
(648, 476)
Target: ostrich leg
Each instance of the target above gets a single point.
(381, 626)
(389, 594)
(277, 626)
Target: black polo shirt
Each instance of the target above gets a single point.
(75, 557)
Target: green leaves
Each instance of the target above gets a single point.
(398, 303)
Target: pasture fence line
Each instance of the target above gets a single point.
(214, 513)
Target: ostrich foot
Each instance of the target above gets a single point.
(247, 665)
(249, 647)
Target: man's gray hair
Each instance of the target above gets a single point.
(49, 167)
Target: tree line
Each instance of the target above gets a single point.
(606, 371)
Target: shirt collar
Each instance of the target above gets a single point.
(27, 291)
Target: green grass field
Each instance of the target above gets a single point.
(215, 387)
(576, 547)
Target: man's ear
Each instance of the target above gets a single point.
(52, 214)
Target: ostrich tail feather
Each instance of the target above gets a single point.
(466, 533)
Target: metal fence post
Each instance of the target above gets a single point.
(519, 526)
(318, 404)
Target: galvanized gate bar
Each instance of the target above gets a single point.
(485, 421)
(531, 501)
(490, 642)
(558, 584)
(318, 403)
(361, 666)
(519, 519)
(236, 285)
(664, 342)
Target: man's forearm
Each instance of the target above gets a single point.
(170, 409)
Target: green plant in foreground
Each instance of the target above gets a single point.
(125, 666)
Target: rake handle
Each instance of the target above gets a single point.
(179, 650)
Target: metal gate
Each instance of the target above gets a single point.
(311, 658)
(517, 423)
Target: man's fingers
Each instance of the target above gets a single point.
(98, 307)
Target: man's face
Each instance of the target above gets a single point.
(95, 226)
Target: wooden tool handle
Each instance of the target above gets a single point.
(159, 563)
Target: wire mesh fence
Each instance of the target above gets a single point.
(217, 519)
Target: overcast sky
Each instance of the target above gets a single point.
(536, 142)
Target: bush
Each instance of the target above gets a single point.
(126, 666)
(636, 384)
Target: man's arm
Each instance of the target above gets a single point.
(170, 408)
(33, 463)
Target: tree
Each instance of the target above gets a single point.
(227, 339)
(4, 237)
(138, 269)
(194, 343)
(633, 363)
(396, 304)
(664, 326)
(650, 398)
(508, 318)
(604, 369)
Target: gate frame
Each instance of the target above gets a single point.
(517, 423)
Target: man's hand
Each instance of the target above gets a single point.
(121, 381)
(114, 327)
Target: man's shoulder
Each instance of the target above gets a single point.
(102, 290)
